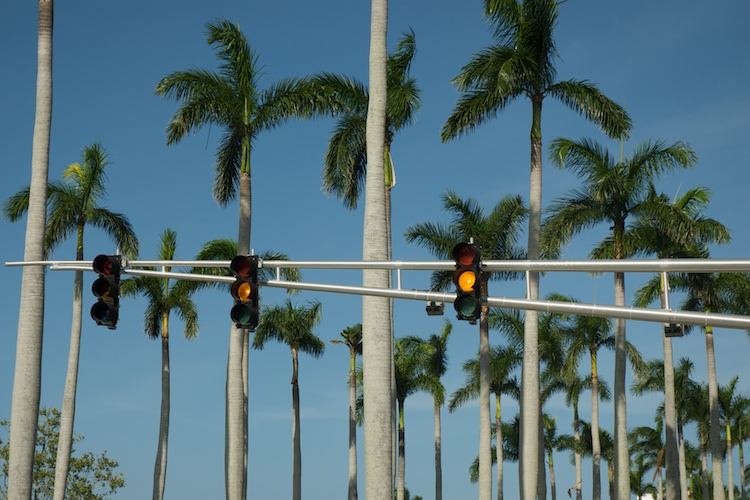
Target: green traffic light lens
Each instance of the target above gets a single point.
(244, 316)
(104, 314)
(467, 306)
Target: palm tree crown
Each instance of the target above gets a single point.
(73, 203)
(233, 99)
(345, 161)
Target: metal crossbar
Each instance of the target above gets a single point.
(576, 308)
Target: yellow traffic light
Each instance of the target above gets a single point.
(467, 278)
(246, 310)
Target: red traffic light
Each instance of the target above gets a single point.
(466, 254)
(107, 265)
(244, 267)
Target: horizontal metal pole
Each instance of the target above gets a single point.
(632, 313)
(576, 308)
(608, 265)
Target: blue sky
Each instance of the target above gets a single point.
(680, 68)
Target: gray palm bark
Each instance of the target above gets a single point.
(28, 365)
(377, 334)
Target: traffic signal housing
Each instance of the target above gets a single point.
(106, 289)
(246, 310)
(467, 278)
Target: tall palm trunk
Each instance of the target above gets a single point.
(596, 447)
(715, 429)
(352, 495)
(577, 453)
(528, 464)
(670, 419)
(236, 421)
(28, 365)
(401, 479)
(552, 483)
(704, 472)
(542, 478)
(377, 358)
(621, 455)
(683, 466)
(68, 412)
(743, 493)
(296, 446)
(730, 472)
(499, 446)
(160, 464)
(245, 410)
(438, 459)
(485, 428)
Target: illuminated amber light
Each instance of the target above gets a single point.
(466, 281)
(242, 291)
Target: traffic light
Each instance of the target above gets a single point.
(467, 279)
(106, 288)
(246, 310)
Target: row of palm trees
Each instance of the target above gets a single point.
(75, 204)
(520, 64)
(565, 342)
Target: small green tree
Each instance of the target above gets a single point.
(91, 476)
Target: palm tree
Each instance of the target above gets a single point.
(641, 465)
(611, 191)
(162, 300)
(674, 231)
(27, 379)
(411, 357)
(741, 424)
(551, 349)
(738, 295)
(699, 411)
(377, 312)
(233, 99)
(436, 365)
(292, 326)
(574, 386)
(552, 443)
(226, 249)
(496, 235)
(588, 335)
(706, 293)
(352, 338)
(503, 360)
(652, 379)
(345, 163)
(732, 409)
(522, 63)
(648, 449)
(73, 205)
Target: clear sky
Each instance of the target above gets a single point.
(680, 68)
